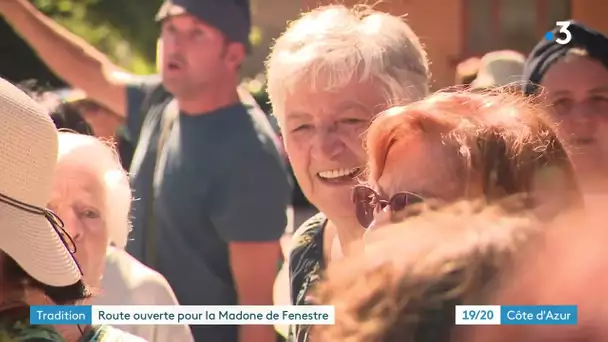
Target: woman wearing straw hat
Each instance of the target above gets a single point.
(37, 266)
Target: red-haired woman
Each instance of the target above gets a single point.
(464, 146)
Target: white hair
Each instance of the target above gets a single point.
(332, 46)
(104, 161)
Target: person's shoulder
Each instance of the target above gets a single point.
(251, 121)
(135, 272)
(106, 333)
(314, 222)
(143, 282)
(22, 331)
(306, 256)
(248, 138)
(308, 231)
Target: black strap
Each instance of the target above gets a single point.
(50, 216)
(157, 95)
(170, 112)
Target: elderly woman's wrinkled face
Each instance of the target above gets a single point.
(577, 87)
(426, 169)
(323, 137)
(79, 199)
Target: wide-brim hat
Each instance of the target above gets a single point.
(29, 233)
(499, 68)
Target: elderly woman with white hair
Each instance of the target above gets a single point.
(328, 75)
(91, 194)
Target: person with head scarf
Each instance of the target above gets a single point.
(573, 79)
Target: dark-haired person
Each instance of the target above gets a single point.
(66, 117)
(37, 266)
(82, 114)
(573, 80)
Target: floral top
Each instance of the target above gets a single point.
(23, 331)
(306, 263)
(106, 333)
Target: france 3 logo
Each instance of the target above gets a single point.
(564, 35)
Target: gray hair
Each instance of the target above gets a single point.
(103, 159)
(333, 45)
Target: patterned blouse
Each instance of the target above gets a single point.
(23, 331)
(305, 266)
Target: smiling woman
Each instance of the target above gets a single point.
(329, 74)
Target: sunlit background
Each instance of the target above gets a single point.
(452, 30)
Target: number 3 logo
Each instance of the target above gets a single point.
(563, 28)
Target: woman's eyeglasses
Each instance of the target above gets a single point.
(368, 203)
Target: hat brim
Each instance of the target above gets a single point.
(484, 82)
(35, 245)
(168, 9)
(488, 81)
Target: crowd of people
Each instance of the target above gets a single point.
(171, 189)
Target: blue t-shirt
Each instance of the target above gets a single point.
(220, 179)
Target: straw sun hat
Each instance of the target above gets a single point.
(499, 68)
(29, 233)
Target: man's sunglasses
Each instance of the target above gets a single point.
(368, 203)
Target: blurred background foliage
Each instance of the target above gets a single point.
(128, 36)
(124, 30)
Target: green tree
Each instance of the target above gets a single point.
(125, 30)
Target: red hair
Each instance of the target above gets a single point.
(498, 137)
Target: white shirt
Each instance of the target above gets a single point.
(126, 281)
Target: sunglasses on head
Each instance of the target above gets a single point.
(368, 203)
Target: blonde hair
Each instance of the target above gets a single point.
(104, 161)
(332, 46)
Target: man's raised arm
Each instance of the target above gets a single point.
(67, 55)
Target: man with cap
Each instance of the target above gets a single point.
(212, 202)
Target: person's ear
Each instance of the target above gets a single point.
(235, 54)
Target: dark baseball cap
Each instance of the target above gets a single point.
(232, 17)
